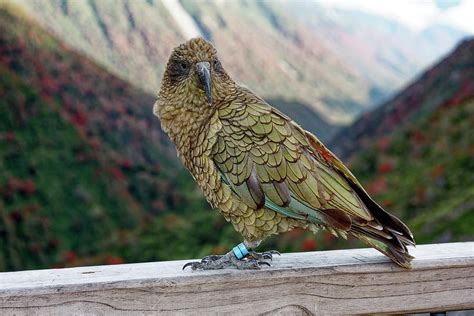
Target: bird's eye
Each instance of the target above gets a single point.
(178, 69)
(184, 66)
(216, 64)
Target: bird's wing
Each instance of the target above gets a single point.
(268, 160)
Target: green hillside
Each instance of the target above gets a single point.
(46, 184)
(442, 82)
(416, 152)
(84, 166)
(424, 173)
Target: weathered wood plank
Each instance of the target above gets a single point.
(356, 281)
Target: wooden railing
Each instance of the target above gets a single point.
(359, 281)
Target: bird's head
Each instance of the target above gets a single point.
(194, 76)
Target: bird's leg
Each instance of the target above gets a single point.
(241, 257)
(266, 255)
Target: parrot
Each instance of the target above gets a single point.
(263, 172)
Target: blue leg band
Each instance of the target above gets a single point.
(240, 251)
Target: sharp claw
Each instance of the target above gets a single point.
(264, 262)
(190, 264)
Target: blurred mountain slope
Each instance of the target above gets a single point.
(83, 163)
(452, 75)
(423, 173)
(415, 154)
(134, 39)
(292, 50)
(385, 52)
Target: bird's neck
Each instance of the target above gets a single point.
(184, 124)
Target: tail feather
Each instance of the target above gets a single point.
(392, 240)
(400, 257)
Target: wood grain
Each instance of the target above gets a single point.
(358, 281)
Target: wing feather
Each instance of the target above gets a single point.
(269, 162)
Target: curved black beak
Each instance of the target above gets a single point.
(204, 75)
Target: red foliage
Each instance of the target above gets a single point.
(14, 184)
(94, 143)
(158, 205)
(377, 186)
(418, 137)
(438, 171)
(113, 260)
(79, 119)
(328, 237)
(69, 256)
(309, 245)
(295, 233)
(28, 187)
(387, 202)
(10, 136)
(50, 86)
(117, 174)
(465, 92)
(386, 167)
(126, 164)
(383, 143)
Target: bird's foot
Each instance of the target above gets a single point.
(212, 258)
(229, 260)
(266, 255)
(241, 257)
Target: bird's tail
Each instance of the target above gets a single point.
(386, 233)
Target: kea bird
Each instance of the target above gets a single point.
(259, 168)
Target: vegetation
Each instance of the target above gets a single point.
(416, 152)
(88, 177)
(448, 80)
(71, 192)
(423, 173)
